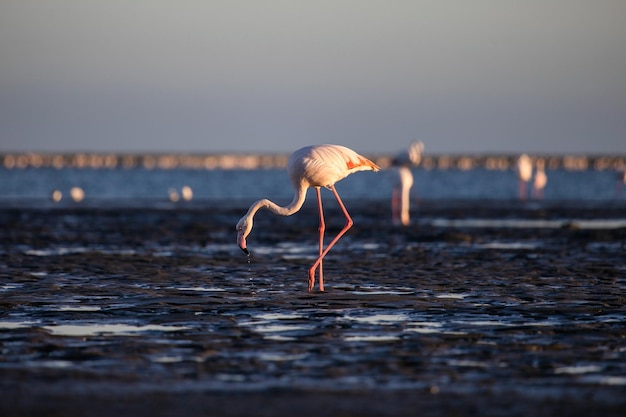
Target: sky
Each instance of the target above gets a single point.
(204, 76)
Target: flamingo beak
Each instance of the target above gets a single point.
(241, 241)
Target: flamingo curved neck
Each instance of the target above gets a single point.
(288, 210)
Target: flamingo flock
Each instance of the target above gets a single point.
(320, 166)
(525, 174)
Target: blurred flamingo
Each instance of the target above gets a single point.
(400, 196)
(312, 166)
(541, 179)
(524, 172)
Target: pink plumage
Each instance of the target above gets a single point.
(312, 166)
(524, 173)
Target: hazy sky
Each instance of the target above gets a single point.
(467, 76)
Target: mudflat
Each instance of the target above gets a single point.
(476, 308)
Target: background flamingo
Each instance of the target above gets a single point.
(541, 179)
(312, 166)
(524, 172)
(400, 195)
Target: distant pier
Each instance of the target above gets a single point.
(269, 161)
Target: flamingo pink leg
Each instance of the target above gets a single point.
(347, 226)
(322, 228)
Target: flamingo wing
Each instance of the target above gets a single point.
(324, 165)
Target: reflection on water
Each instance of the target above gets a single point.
(380, 318)
(452, 296)
(15, 324)
(370, 338)
(79, 308)
(201, 289)
(594, 224)
(107, 329)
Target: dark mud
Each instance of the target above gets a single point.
(156, 312)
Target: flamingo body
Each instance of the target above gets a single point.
(312, 166)
(324, 165)
(401, 195)
(524, 173)
(402, 189)
(541, 179)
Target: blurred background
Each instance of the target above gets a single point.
(486, 76)
(193, 86)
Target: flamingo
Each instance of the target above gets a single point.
(402, 189)
(312, 166)
(541, 179)
(524, 172)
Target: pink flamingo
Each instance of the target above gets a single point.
(541, 179)
(312, 166)
(401, 192)
(524, 173)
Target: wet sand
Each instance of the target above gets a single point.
(155, 311)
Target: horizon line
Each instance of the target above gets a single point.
(207, 161)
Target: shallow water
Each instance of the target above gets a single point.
(471, 299)
(140, 186)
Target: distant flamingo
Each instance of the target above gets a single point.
(541, 179)
(524, 172)
(312, 166)
(402, 189)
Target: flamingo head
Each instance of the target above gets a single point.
(244, 226)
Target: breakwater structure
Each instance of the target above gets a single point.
(269, 161)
